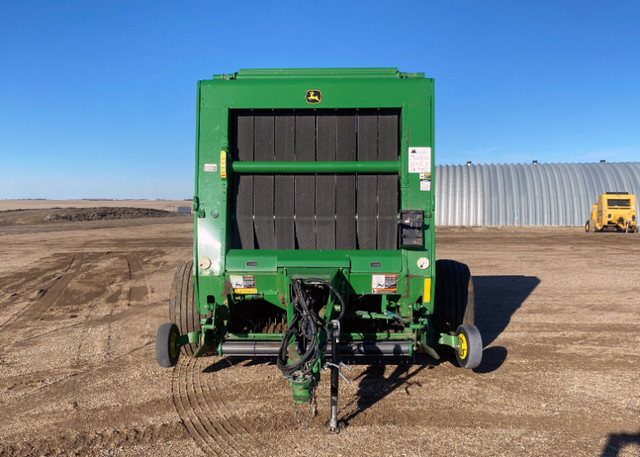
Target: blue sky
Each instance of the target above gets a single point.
(97, 99)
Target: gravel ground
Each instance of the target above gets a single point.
(79, 307)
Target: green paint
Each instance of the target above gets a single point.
(449, 340)
(316, 167)
(411, 95)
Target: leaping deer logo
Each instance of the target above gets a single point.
(313, 96)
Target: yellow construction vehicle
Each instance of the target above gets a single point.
(613, 211)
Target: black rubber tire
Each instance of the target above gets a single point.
(587, 227)
(454, 304)
(182, 305)
(166, 352)
(473, 356)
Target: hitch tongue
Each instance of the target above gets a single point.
(301, 389)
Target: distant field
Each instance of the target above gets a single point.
(167, 205)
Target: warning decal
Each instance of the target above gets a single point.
(384, 284)
(419, 160)
(245, 284)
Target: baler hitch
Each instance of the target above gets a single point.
(302, 350)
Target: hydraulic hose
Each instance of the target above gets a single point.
(305, 329)
(332, 289)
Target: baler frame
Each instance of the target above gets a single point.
(396, 276)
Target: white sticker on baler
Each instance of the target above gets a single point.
(210, 167)
(419, 159)
(384, 284)
(245, 284)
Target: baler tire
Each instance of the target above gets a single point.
(454, 303)
(166, 351)
(182, 306)
(471, 342)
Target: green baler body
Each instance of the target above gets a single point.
(361, 96)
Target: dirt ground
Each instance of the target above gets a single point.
(79, 307)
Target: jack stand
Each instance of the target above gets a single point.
(335, 373)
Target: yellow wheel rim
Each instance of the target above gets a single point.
(172, 344)
(463, 347)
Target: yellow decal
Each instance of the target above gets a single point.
(223, 164)
(313, 96)
(245, 291)
(426, 296)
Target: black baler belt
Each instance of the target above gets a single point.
(284, 184)
(305, 185)
(263, 185)
(346, 184)
(387, 184)
(367, 189)
(315, 211)
(243, 187)
(326, 184)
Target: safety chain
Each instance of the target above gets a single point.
(313, 407)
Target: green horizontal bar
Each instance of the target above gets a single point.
(316, 167)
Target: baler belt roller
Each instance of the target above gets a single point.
(351, 348)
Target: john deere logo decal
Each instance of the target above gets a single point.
(313, 96)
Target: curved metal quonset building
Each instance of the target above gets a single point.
(557, 194)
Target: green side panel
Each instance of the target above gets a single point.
(379, 262)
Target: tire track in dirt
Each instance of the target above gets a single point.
(18, 282)
(81, 443)
(86, 340)
(218, 424)
(203, 412)
(216, 400)
(35, 309)
(182, 403)
(69, 382)
(102, 320)
(137, 292)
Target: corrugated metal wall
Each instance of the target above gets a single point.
(558, 194)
